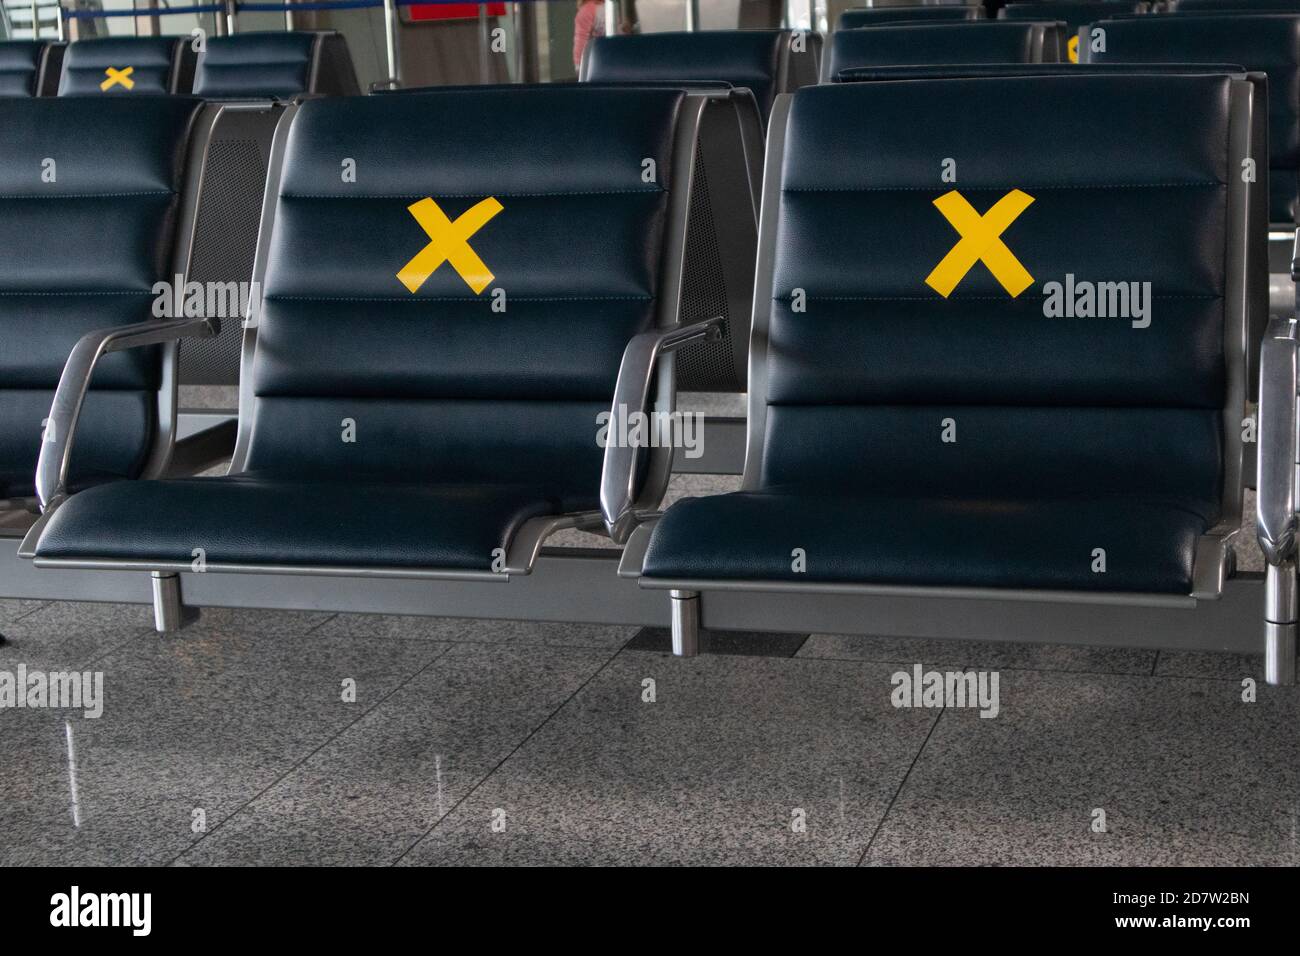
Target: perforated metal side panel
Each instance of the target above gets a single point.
(224, 243)
(706, 366)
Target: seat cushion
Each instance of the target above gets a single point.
(933, 542)
(246, 519)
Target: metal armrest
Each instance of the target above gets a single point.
(1277, 441)
(56, 444)
(618, 478)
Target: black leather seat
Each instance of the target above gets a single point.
(275, 65)
(29, 67)
(874, 16)
(469, 420)
(1075, 13)
(919, 44)
(155, 65)
(1269, 44)
(1258, 267)
(82, 252)
(902, 438)
(1235, 6)
(766, 62)
(248, 66)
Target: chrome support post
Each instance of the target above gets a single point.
(686, 622)
(391, 46)
(168, 615)
(230, 17)
(58, 22)
(484, 44)
(692, 16)
(1280, 613)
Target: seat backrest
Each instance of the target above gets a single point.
(1074, 13)
(900, 357)
(874, 16)
(156, 65)
(491, 367)
(1269, 44)
(90, 197)
(1238, 6)
(980, 41)
(721, 240)
(767, 62)
(20, 67)
(278, 65)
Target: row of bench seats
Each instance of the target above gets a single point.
(475, 431)
(240, 66)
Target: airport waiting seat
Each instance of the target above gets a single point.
(766, 62)
(723, 235)
(29, 67)
(980, 41)
(1258, 262)
(927, 425)
(1074, 14)
(1235, 6)
(127, 65)
(875, 16)
(92, 218)
(276, 65)
(1268, 44)
(241, 70)
(420, 398)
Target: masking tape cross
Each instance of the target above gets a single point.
(116, 76)
(980, 242)
(449, 242)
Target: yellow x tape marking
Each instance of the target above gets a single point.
(449, 242)
(980, 241)
(118, 76)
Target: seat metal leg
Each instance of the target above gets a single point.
(686, 622)
(168, 613)
(1280, 614)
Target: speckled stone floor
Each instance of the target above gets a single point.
(236, 742)
(261, 738)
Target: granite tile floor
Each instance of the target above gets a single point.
(263, 739)
(256, 738)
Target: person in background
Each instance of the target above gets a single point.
(590, 22)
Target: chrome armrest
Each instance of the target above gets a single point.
(1276, 519)
(56, 442)
(618, 478)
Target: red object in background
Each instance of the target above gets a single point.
(453, 11)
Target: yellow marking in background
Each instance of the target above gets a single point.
(980, 242)
(449, 242)
(1072, 49)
